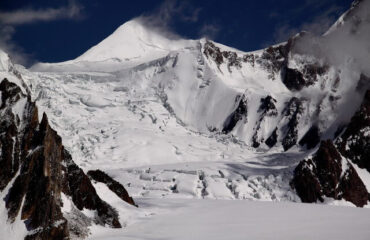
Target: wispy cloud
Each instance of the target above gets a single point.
(29, 15)
(170, 11)
(209, 30)
(10, 20)
(6, 43)
(318, 25)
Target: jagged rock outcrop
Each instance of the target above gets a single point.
(292, 113)
(267, 106)
(328, 174)
(296, 80)
(311, 138)
(296, 73)
(113, 185)
(267, 109)
(219, 57)
(274, 58)
(240, 113)
(84, 194)
(272, 139)
(33, 157)
(354, 143)
(213, 52)
(35, 162)
(293, 79)
(325, 175)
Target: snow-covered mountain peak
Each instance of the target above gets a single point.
(132, 44)
(4, 61)
(130, 41)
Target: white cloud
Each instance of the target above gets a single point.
(169, 11)
(210, 31)
(29, 15)
(9, 21)
(15, 52)
(319, 25)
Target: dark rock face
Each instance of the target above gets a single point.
(232, 60)
(311, 138)
(325, 175)
(293, 79)
(272, 140)
(84, 195)
(296, 80)
(238, 114)
(213, 52)
(273, 59)
(249, 58)
(354, 143)
(328, 174)
(33, 156)
(363, 83)
(267, 109)
(293, 113)
(114, 186)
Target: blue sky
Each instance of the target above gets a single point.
(59, 30)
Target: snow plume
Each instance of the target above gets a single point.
(168, 12)
(346, 44)
(210, 31)
(317, 25)
(9, 21)
(7, 45)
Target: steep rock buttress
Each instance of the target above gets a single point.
(38, 170)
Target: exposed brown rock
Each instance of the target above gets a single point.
(354, 143)
(213, 52)
(34, 157)
(328, 174)
(230, 58)
(113, 185)
(84, 195)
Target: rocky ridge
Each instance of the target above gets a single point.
(330, 172)
(37, 170)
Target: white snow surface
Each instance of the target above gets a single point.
(141, 106)
(222, 219)
(10, 230)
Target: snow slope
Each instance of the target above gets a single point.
(159, 101)
(208, 219)
(152, 112)
(203, 93)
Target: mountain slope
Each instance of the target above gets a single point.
(191, 77)
(175, 118)
(286, 97)
(38, 177)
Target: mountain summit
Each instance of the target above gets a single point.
(133, 40)
(175, 118)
